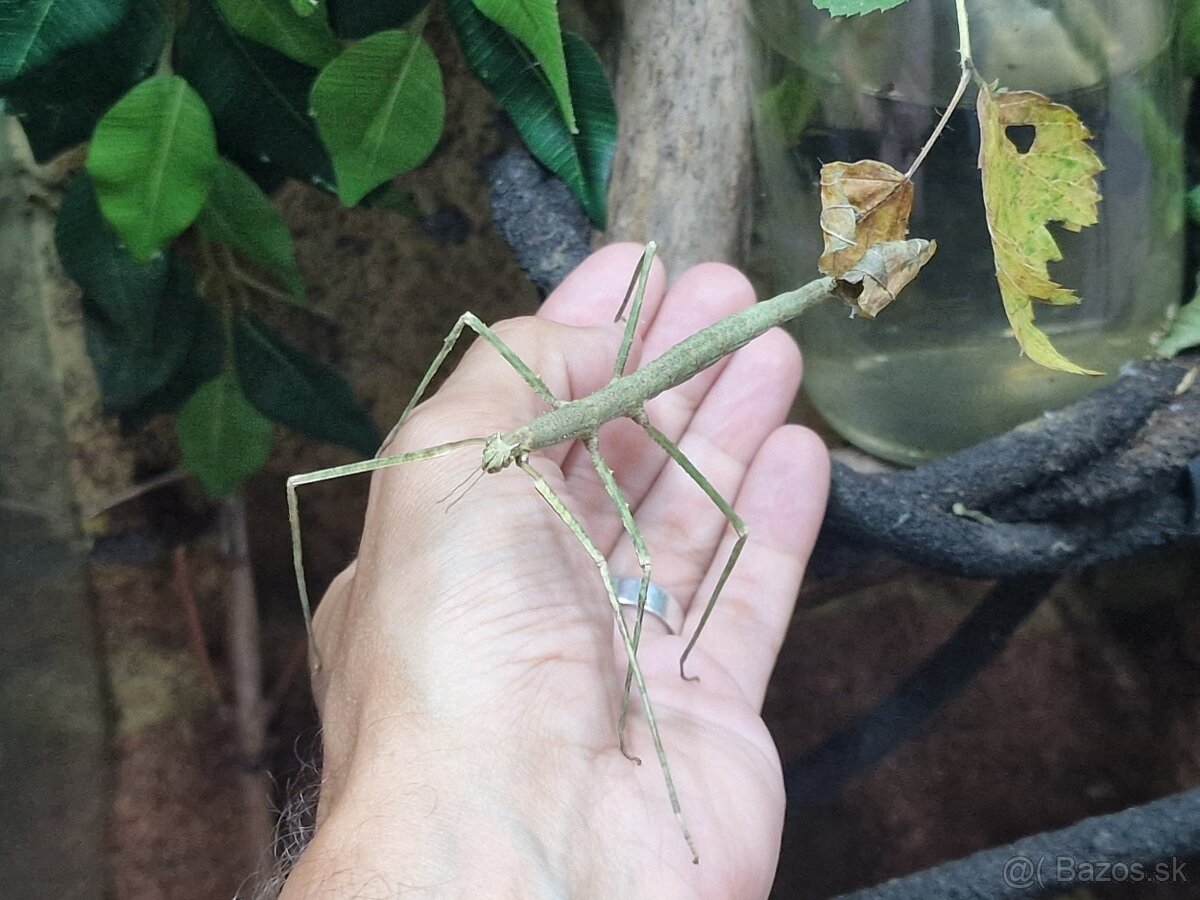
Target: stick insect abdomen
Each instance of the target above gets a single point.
(625, 395)
(709, 345)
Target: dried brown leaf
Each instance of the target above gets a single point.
(883, 272)
(862, 204)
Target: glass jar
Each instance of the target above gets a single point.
(939, 370)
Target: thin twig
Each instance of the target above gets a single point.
(243, 635)
(968, 69)
(194, 627)
(134, 491)
(963, 81)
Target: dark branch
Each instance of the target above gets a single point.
(1165, 832)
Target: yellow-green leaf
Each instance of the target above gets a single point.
(862, 204)
(1053, 180)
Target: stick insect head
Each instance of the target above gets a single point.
(499, 451)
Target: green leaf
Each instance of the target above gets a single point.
(535, 24)
(583, 160)
(239, 215)
(151, 160)
(856, 7)
(379, 110)
(275, 23)
(1185, 331)
(293, 388)
(223, 439)
(60, 102)
(33, 32)
(359, 18)
(258, 99)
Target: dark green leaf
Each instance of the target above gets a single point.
(133, 362)
(33, 32)
(275, 24)
(258, 99)
(59, 103)
(379, 109)
(201, 362)
(535, 24)
(1185, 331)
(293, 388)
(240, 215)
(597, 138)
(151, 160)
(359, 18)
(583, 160)
(223, 439)
(306, 8)
(91, 252)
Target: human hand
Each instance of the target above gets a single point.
(471, 682)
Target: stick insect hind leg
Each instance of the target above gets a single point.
(726, 509)
(466, 320)
(643, 557)
(635, 293)
(548, 494)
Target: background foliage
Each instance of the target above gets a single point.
(193, 113)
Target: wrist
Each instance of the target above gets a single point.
(422, 811)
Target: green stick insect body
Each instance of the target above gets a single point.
(623, 396)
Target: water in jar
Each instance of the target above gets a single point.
(939, 369)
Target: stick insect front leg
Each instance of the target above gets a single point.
(548, 494)
(466, 320)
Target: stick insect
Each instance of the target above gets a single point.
(884, 270)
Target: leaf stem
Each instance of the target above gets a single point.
(964, 36)
(941, 125)
(968, 70)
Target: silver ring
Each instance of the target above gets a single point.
(659, 602)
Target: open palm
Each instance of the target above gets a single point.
(470, 650)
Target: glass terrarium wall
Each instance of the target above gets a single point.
(939, 370)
